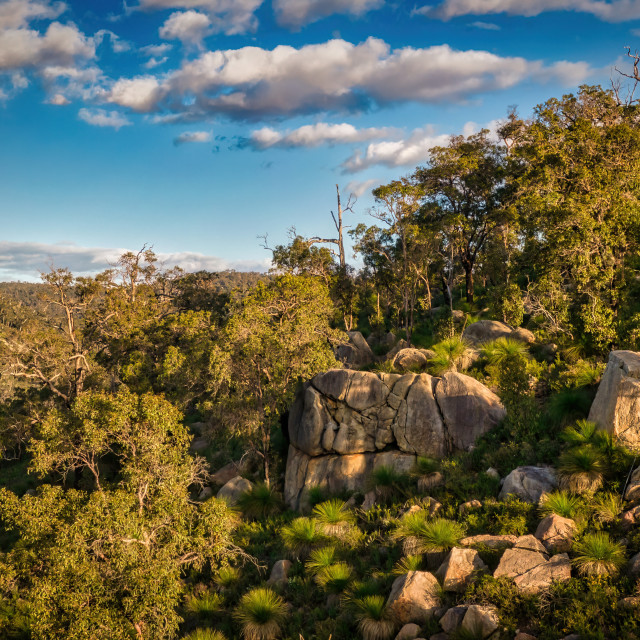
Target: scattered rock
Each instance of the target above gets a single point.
(617, 403)
(386, 340)
(466, 507)
(483, 331)
(482, 620)
(517, 562)
(459, 568)
(530, 543)
(556, 569)
(489, 541)
(632, 494)
(233, 489)
(400, 345)
(369, 500)
(197, 427)
(410, 359)
(430, 480)
(529, 483)
(198, 445)
(452, 619)
(356, 352)
(437, 636)
(226, 473)
(631, 602)
(556, 533)
(432, 505)
(493, 473)
(412, 509)
(633, 566)
(524, 636)
(414, 597)
(409, 632)
(205, 494)
(280, 573)
(573, 636)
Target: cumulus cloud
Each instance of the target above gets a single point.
(102, 118)
(314, 135)
(296, 13)
(227, 16)
(16, 14)
(359, 188)
(156, 54)
(59, 100)
(26, 260)
(251, 82)
(615, 11)
(193, 136)
(190, 27)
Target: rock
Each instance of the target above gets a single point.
(459, 568)
(205, 494)
(386, 340)
(430, 480)
(412, 359)
(198, 427)
(335, 473)
(632, 494)
(529, 483)
(431, 505)
(452, 619)
(414, 597)
(369, 500)
(226, 473)
(400, 345)
(233, 489)
(493, 473)
(556, 533)
(481, 620)
(437, 636)
(633, 566)
(517, 562)
(630, 602)
(198, 445)
(524, 636)
(630, 517)
(468, 407)
(617, 403)
(357, 352)
(280, 573)
(530, 543)
(412, 509)
(556, 569)
(466, 507)
(409, 632)
(573, 636)
(483, 331)
(491, 542)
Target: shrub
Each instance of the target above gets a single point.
(449, 355)
(335, 517)
(407, 564)
(441, 534)
(205, 634)
(320, 559)
(260, 502)
(385, 480)
(561, 503)
(335, 578)
(596, 554)
(409, 529)
(581, 469)
(261, 613)
(302, 535)
(226, 576)
(374, 622)
(569, 405)
(499, 352)
(583, 432)
(205, 606)
(607, 507)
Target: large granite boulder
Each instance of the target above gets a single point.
(459, 568)
(481, 620)
(556, 533)
(483, 331)
(356, 352)
(233, 489)
(410, 359)
(529, 483)
(616, 406)
(414, 597)
(344, 414)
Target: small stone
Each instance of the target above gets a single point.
(369, 500)
(530, 543)
(493, 473)
(205, 494)
(633, 566)
(481, 619)
(414, 597)
(466, 507)
(280, 573)
(489, 541)
(524, 636)
(198, 444)
(556, 533)
(459, 568)
(232, 491)
(452, 619)
(409, 632)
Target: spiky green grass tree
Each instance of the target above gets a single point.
(261, 613)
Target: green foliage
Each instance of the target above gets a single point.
(508, 359)
(261, 613)
(606, 507)
(449, 355)
(226, 576)
(386, 481)
(302, 535)
(261, 501)
(205, 606)
(335, 517)
(374, 622)
(569, 405)
(581, 469)
(561, 503)
(407, 564)
(205, 634)
(597, 554)
(335, 578)
(320, 559)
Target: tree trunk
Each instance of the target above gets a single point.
(468, 276)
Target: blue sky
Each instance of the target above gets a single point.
(196, 125)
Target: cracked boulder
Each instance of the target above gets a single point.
(529, 483)
(459, 568)
(414, 598)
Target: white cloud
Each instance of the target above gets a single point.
(156, 50)
(26, 260)
(252, 82)
(59, 100)
(102, 118)
(193, 136)
(152, 63)
(190, 27)
(16, 14)
(359, 188)
(314, 135)
(615, 11)
(60, 44)
(486, 26)
(227, 16)
(296, 13)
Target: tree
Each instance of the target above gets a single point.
(276, 336)
(463, 184)
(107, 563)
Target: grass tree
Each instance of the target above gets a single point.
(561, 503)
(261, 613)
(302, 535)
(374, 621)
(596, 554)
(449, 355)
(582, 469)
(260, 502)
(335, 517)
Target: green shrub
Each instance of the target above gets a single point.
(569, 405)
(335, 578)
(596, 554)
(320, 559)
(205, 606)
(260, 502)
(335, 517)
(374, 622)
(561, 503)
(607, 507)
(226, 576)
(581, 469)
(302, 535)
(449, 354)
(385, 480)
(205, 634)
(261, 613)
(407, 564)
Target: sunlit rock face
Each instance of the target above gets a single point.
(345, 423)
(616, 406)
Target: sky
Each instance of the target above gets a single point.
(195, 126)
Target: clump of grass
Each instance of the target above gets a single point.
(503, 350)
(315, 495)
(335, 517)
(226, 577)
(561, 503)
(441, 534)
(335, 578)
(607, 507)
(569, 405)
(205, 634)
(597, 555)
(407, 564)
(409, 529)
(374, 621)
(260, 613)
(260, 502)
(581, 469)
(320, 559)
(426, 470)
(302, 535)
(206, 605)
(385, 480)
(583, 432)
(449, 354)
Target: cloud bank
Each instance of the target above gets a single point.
(296, 13)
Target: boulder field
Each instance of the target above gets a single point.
(343, 424)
